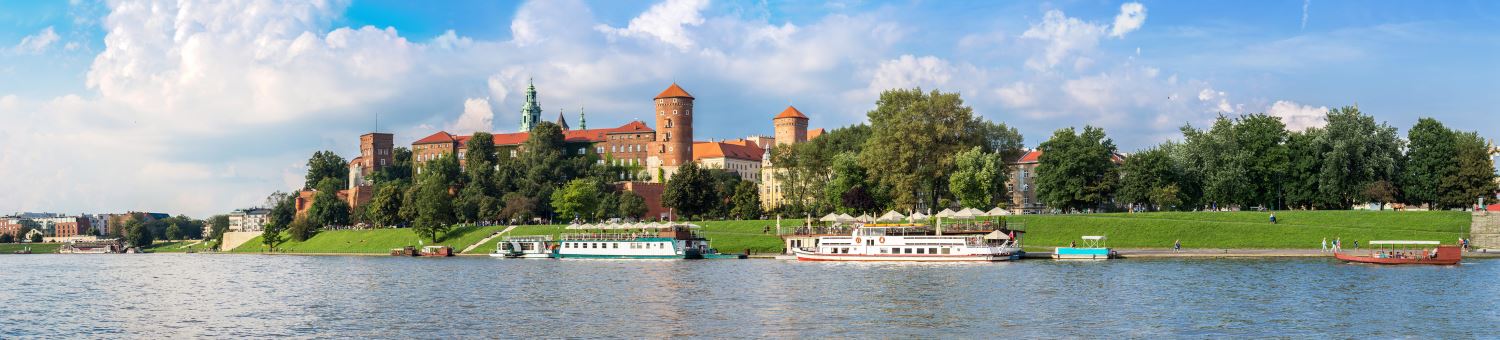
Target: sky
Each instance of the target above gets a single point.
(202, 107)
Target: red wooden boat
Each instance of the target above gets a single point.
(1406, 252)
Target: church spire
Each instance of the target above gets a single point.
(531, 111)
(583, 123)
(561, 122)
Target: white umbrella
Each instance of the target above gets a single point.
(845, 218)
(575, 226)
(891, 216)
(946, 213)
(864, 218)
(965, 213)
(918, 215)
(997, 212)
(832, 217)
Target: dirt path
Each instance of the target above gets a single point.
(486, 240)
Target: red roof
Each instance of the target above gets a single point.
(674, 91)
(705, 150)
(790, 112)
(514, 138)
(439, 137)
(1031, 156)
(814, 133)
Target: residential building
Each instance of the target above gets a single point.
(252, 220)
(1022, 182)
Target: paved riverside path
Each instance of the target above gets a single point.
(486, 240)
(1190, 252)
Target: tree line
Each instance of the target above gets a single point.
(1253, 161)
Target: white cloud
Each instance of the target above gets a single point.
(1063, 36)
(477, 116)
(908, 71)
(664, 22)
(1132, 15)
(1305, 5)
(37, 43)
(1017, 95)
(451, 39)
(1298, 117)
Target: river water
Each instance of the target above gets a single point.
(260, 296)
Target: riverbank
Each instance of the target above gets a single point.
(1246, 232)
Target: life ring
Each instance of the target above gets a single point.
(857, 240)
(882, 240)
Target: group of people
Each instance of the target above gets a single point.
(1337, 245)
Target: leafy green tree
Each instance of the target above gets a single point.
(545, 166)
(325, 165)
(848, 176)
(301, 229)
(579, 199)
(1360, 152)
(433, 205)
(1148, 177)
(174, 233)
(385, 208)
(283, 211)
(36, 238)
(1475, 173)
(1430, 159)
(746, 201)
(1076, 171)
(608, 207)
(7, 238)
(1306, 150)
(979, 179)
(399, 170)
(518, 207)
(137, 234)
(632, 205)
(690, 192)
(326, 210)
(914, 137)
(723, 183)
(477, 199)
(220, 225)
(1261, 139)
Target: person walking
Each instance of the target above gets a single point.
(1273, 217)
(1325, 246)
(1177, 245)
(1338, 244)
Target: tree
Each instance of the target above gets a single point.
(1381, 191)
(399, 170)
(1360, 152)
(301, 229)
(1306, 150)
(1148, 178)
(690, 192)
(914, 138)
(545, 166)
(283, 211)
(632, 205)
(37, 238)
(174, 233)
(979, 178)
(1077, 171)
(434, 207)
(7, 238)
(579, 199)
(477, 199)
(385, 208)
(137, 234)
(1430, 159)
(1475, 173)
(608, 207)
(848, 176)
(518, 207)
(326, 210)
(220, 224)
(325, 165)
(1261, 139)
(746, 201)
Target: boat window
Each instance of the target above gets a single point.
(921, 250)
(945, 251)
(884, 251)
(616, 245)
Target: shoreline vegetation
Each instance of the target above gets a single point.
(1296, 231)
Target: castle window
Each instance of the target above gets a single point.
(512, 153)
(669, 121)
(674, 100)
(582, 150)
(669, 137)
(674, 112)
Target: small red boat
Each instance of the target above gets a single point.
(1406, 252)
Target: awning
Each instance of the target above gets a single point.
(1093, 238)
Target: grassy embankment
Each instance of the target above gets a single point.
(178, 246)
(374, 241)
(36, 248)
(1298, 229)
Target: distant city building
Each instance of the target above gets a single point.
(1022, 182)
(742, 157)
(252, 220)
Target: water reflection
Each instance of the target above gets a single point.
(174, 296)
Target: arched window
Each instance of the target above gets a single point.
(669, 122)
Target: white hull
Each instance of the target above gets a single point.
(811, 256)
(523, 256)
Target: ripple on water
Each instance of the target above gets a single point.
(250, 296)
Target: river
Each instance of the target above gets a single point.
(261, 296)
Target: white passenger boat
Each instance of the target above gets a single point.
(524, 247)
(653, 241)
(915, 243)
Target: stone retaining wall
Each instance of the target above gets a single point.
(1485, 229)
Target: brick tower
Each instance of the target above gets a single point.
(791, 126)
(674, 132)
(375, 153)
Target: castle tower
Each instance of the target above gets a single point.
(583, 123)
(674, 132)
(531, 111)
(791, 126)
(561, 122)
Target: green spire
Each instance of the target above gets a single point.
(531, 111)
(583, 123)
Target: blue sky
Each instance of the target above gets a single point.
(202, 107)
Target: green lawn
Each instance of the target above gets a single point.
(373, 241)
(177, 247)
(1296, 229)
(36, 248)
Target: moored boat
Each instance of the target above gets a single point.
(1093, 249)
(1406, 252)
(524, 247)
(914, 243)
(654, 241)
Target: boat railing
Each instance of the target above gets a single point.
(606, 236)
(528, 238)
